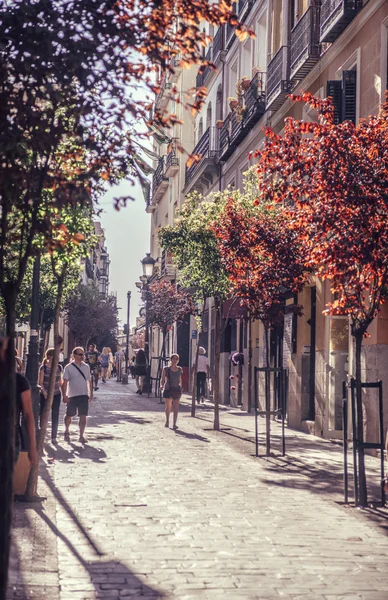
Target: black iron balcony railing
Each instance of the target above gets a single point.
(305, 46)
(218, 43)
(206, 148)
(243, 8)
(239, 122)
(159, 175)
(199, 79)
(208, 70)
(336, 16)
(278, 84)
(172, 160)
(89, 268)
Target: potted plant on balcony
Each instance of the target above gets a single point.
(219, 124)
(233, 102)
(245, 82)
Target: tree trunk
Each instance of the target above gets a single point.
(217, 348)
(249, 362)
(363, 495)
(267, 396)
(32, 483)
(7, 438)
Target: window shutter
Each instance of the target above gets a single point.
(334, 89)
(349, 80)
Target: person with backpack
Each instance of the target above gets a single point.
(77, 392)
(44, 378)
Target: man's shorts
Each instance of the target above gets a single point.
(80, 403)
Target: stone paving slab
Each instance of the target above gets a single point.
(142, 511)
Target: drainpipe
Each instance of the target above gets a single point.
(220, 165)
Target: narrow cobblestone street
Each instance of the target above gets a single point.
(142, 510)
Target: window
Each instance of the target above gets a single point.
(209, 116)
(344, 94)
(200, 129)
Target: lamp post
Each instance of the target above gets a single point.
(148, 264)
(127, 343)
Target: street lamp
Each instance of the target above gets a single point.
(148, 264)
(127, 344)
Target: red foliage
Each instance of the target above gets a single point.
(262, 258)
(332, 181)
(166, 305)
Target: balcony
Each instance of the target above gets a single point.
(336, 16)
(278, 80)
(200, 175)
(305, 47)
(242, 10)
(89, 268)
(167, 268)
(162, 97)
(174, 74)
(237, 126)
(218, 43)
(172, 163)
(159, 181)
(208, 70)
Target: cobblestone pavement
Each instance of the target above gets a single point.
(143, 511)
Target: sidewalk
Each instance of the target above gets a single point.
(145, 511)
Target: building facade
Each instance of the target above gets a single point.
(326, 47)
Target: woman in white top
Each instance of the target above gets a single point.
(203, 371)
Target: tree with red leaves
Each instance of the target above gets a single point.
(331, 180)
(166, 305)
(262, 257)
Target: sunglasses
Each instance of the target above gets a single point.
(79, 353)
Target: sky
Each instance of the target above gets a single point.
(127, 240)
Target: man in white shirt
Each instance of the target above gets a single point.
(77, 392)
(203, 371)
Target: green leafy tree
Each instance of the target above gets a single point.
(85, 86)
(194, 248)
(75, 237)
(88, 317)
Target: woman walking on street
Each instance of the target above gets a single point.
(104, 364)
(140, 370)
(172, 388)
(44, 378)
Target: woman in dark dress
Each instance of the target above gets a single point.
(140, 370)
(172, 383)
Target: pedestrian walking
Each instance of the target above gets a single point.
(44, 378)
(171, 383)
(61, 359)
(23, 406)
(203, 372)
(140, 370)
(18, 363)
(111, 361)
(77, 392)
(104, 364)
(92, 358)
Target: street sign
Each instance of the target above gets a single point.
(194, 334)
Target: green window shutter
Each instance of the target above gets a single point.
(334, 89)
(349, 84)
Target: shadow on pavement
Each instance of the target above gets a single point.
(191, 436)
(63, 454)
(99, 569)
